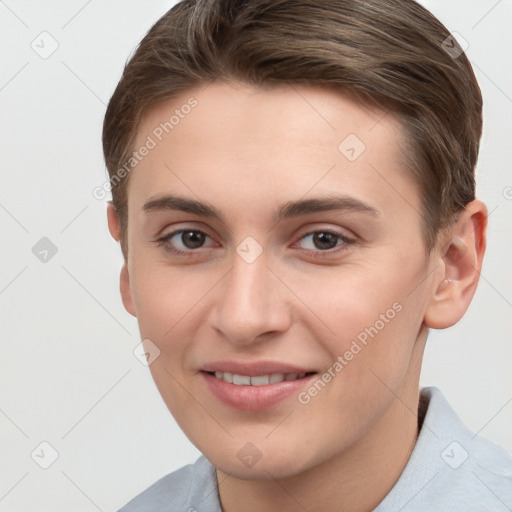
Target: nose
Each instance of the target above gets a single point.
(251, 305)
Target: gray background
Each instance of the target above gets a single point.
(68, 374)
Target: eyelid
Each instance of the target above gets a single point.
(345, 241)
(192, 225)
(344, 234)
(165, 241)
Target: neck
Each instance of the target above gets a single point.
(356, 480)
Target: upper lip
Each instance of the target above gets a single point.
(253, 368)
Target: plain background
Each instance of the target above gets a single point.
(67, 371)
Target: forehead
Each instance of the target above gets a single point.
(243, 144)
(297, 111)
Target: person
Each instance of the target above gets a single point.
(293, 192)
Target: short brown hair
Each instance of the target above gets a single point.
(393, 52)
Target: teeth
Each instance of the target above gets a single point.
(276, 377)
(259, 380)
(241, 380)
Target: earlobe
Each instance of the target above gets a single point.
(126, 292)
(462, 252)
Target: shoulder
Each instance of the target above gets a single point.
(451, 468)
(183, 490)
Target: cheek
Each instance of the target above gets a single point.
(167, 304)
(171, 306)
(351, 299)
(372, 318)
(164, 297)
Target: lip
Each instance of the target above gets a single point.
(253, 398)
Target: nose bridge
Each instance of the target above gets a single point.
(250, 303)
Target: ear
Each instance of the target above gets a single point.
(461, 250)
(113, 222)
(124, 282)
(126, 291)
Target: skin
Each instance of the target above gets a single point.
(248, 151)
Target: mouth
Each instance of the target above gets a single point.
(256, 386)
(258, 380)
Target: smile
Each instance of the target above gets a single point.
(256, 386)
(258, 380)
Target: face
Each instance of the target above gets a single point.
(276, 260)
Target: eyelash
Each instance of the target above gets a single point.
(165, 242)
(346, 242)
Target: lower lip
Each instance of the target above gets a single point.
(253, 398)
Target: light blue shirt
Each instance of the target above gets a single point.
(450, 469)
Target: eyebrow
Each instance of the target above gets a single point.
(288, 210)
(314, 205)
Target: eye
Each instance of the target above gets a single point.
(322, 241)
(185, 241)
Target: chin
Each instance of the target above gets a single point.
(262, 470)
(252, 463)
